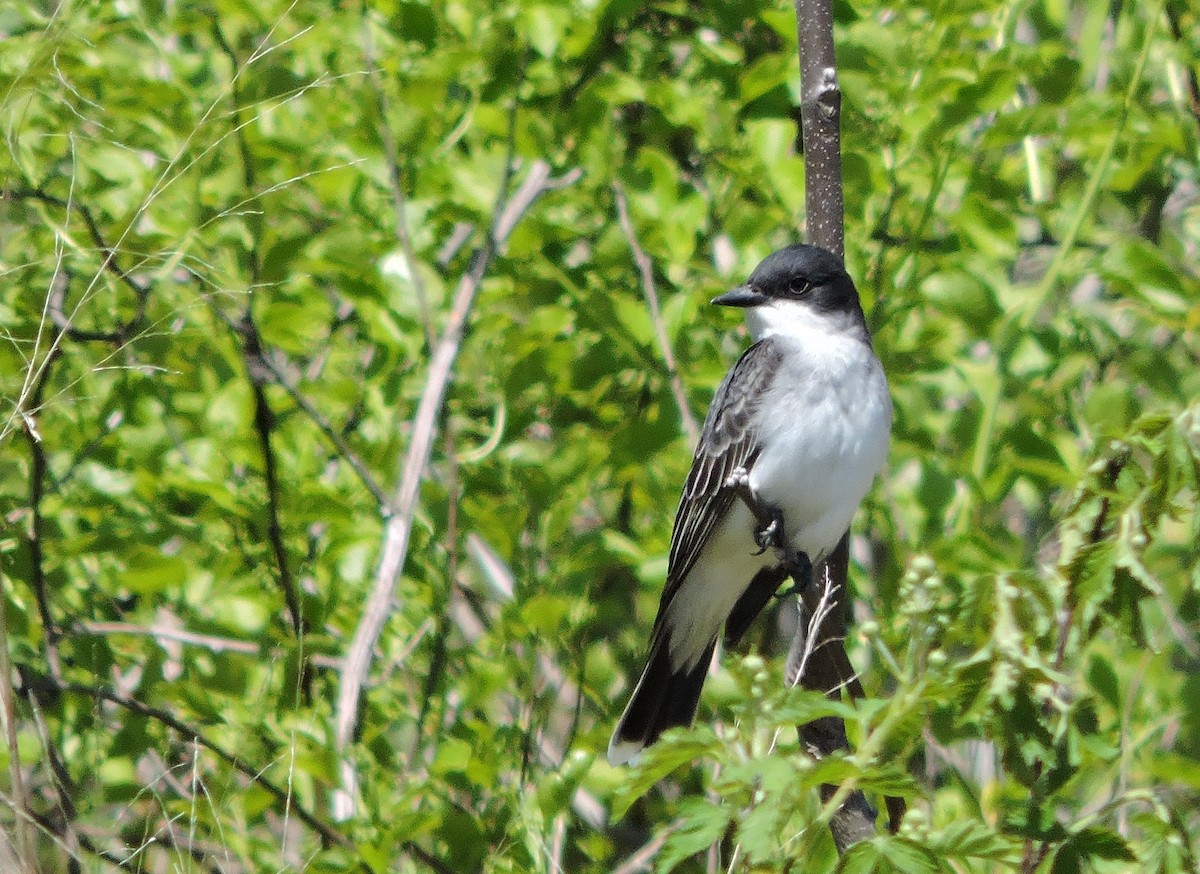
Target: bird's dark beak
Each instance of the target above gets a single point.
(742, 296)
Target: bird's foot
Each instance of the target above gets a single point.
(771, 534)
(799, 568)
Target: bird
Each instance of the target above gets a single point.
(793, 441)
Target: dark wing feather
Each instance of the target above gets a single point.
(726, 443)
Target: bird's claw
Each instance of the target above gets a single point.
(770, 533)
(768, 536)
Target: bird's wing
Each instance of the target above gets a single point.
(727, 442)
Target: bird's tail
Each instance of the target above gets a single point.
(664, 697)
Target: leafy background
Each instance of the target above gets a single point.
(230, 235)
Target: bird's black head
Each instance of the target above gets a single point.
(807, 274)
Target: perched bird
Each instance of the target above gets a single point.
(792, 442)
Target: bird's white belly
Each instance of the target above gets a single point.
(825, 437)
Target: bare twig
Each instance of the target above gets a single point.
(264, 423)
(399, 526)
(252, 348)
(558, 833)
(255, 774)
(56, 306)
(272, 364)
(37, 486)
(329, 834)
(807, 640)
(399, 200)
(210, 642)
(24, 843)
(642, 859)
(141, 291)
(51, 829)
(332, 434)
(64, 788)
(646, 269)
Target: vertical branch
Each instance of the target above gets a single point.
(252, 351)
(37, 486)
(264, 423)
(820, 662)
(820, 117)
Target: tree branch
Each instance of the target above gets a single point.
(328, 833)
(820, 116)
(264, 423)
(210, 642)
(399, 527)
(37, 486)
(826, 666)
(25, 849)
(646, 269)
(281, 378)
(141, 292)
(399, 199)
(252, 348)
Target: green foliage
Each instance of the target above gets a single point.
(205, 291)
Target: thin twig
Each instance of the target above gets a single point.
(56, 306)
(399, 199)
(141, 292)
(642, 858)
(558, 834)
(646, 269)
(329, 834)
(20, 802)
(399, 527)
(270, 364)
(210, 642)
(190, 732)
(264, 424)
(816, 624)
(252, 347)
(64, 788)
(333, 435)
(50, 828)
(38, 470)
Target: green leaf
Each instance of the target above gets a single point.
(1103, 679)
(675, 748)
(889, 855)
(702, 824)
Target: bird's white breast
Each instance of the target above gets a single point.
(824, 424)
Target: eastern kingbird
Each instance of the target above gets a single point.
(791, 444)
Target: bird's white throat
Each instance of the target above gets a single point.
(793, 318)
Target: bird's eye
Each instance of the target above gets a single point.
(799, 288)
